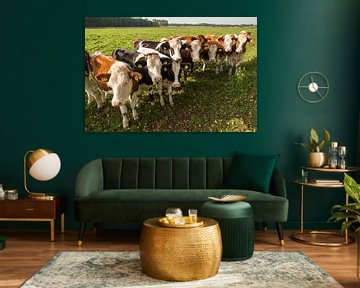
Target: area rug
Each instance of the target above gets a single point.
(80, 269)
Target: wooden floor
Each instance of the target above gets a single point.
(28, 250)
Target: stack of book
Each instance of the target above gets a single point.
(327, 181)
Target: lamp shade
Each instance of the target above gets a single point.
(43, 164)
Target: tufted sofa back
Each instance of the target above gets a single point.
(164, 173)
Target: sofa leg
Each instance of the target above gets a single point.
(81, 233)
(95, 228)
(280, 233)
(265, 227)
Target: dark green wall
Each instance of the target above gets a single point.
(42, 88)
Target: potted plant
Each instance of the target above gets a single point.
(317, 157)
(350, 213)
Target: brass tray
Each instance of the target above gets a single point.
(228, 198)
(165, 222)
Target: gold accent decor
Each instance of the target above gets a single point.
(30, 159)
(312, 237)
(282, 242)
(79, 243)
(317, 159)
(228, 198)
(188, 224)
(180, 254)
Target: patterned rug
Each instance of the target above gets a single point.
(122, 269)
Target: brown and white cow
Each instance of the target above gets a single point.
(236, 58)
(213, 51)
(117, 76)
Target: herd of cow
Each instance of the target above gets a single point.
(157, 64)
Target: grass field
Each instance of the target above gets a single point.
(206, 102)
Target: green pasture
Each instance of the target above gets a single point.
(206, 102)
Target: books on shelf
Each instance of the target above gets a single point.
(327, 181)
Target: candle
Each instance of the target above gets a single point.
(342, 149)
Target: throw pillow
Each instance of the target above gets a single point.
(251, 172)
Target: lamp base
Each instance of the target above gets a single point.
(41, 196)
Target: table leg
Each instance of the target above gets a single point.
(52, 230)
(346, 230)
(302, 209)
(63, 223)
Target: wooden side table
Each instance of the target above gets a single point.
(27, 209)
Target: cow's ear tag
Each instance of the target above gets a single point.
(139, 66)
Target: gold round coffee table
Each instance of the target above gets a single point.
(180, 254)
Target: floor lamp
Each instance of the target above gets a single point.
(42, 165)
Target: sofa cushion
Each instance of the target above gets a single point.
(251, 172)
(266, 207)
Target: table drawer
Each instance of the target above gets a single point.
(28, 209)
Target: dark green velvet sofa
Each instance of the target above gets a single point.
(131, 190)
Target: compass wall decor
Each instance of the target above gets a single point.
(313, 87)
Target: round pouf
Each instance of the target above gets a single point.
(236, 221)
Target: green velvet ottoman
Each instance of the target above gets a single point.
(236, 221)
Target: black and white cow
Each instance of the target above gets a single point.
(164, 70)
(170, 48)
(149, 66)
(170, 72)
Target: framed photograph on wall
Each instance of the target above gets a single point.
(170, 74)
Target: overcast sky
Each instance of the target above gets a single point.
(209, 20)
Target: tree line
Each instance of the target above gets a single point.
(122, 22)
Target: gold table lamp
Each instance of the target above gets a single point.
(43, 165)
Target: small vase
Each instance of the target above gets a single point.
(317, 159)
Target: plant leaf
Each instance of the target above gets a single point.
(326, 136)
(321, 146)
(352, 188)
(306, 146)
(314, 136)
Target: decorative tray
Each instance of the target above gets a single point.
(165, 222)
(228, 198)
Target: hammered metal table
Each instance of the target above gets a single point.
(180, 254)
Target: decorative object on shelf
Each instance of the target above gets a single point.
(313, 87)
(43, 165)
(2, 192)
(11, 194)
(342, 154)
(333, 146)
(317, 157)
(304, 176)
(228, 198)
(350, 213)
(327, 181)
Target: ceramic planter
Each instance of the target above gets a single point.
(317, 159)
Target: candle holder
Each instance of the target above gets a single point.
(333, 162)
(342, 154)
